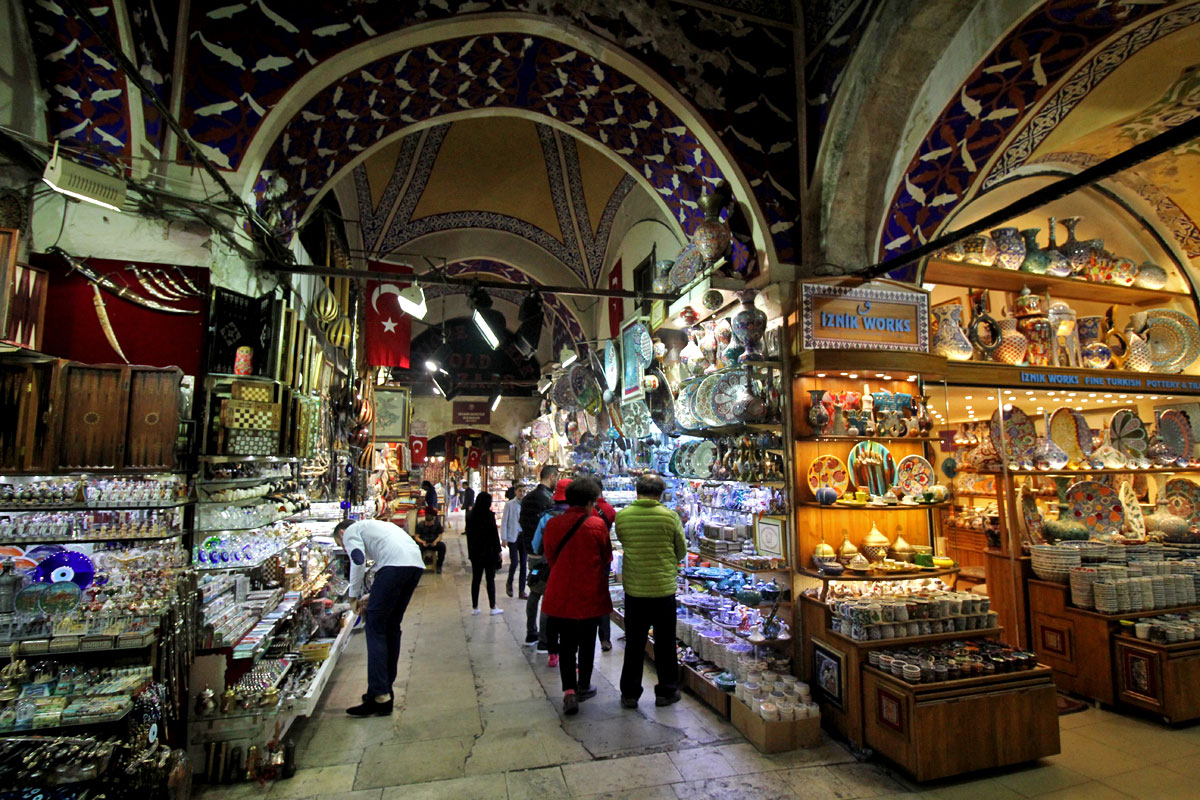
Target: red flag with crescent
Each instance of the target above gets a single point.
(473, 457)
(419, 446)
(388, 329)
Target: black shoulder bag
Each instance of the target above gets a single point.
(539, 573)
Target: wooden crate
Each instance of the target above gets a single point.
(30, 395)
(774, 737)
(153, 418)
(95, 416)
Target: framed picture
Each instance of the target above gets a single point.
(632, 371)
(1139, 675)
(891, 710)
(828, 672)
(770, 537)
(392, 409)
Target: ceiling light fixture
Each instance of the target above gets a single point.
(431, 365)
(412, 301)
(529, 323)
(567, 356)
(496, 401)
(481, 302)
(84, 183)
(544, 384)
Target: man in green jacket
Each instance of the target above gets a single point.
(651, 537)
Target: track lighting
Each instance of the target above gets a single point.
(496, 401)
(567, 356)
(84, 183)
(529, 323)
(431, 365)
(412, 301)
(544, 384)
(482, 302)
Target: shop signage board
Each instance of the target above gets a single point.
(1082, 379)
(472, 413)
(869, 317)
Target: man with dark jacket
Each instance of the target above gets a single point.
(533, 506)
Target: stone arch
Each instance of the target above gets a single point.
(516, 64)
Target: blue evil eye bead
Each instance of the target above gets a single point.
(345, 504)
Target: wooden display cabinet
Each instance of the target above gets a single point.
(1157, 677)
(935, 730)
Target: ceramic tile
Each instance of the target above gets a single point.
(1092, 790)
(619, 774)
(1152, 782)
(979, 789)
(663, 792)
(536, 784)
(761, 786)
(1150, 741)
(1091, 758)
(365, 794)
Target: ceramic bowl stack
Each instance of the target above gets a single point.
(1089, 552)
(1117, 553)
(1105, 596)
(1054, 563)
(1082, 579)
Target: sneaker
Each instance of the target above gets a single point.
(629, 702)
(553, 660)
(570, 704)
(370, 708)
(475, 612)
(666, 701)
(606, 646)
(530, 641)
(496, 611)
(585, 694)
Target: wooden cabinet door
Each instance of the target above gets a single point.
(94, 418)
(153, 418)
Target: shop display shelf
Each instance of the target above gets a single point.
(888, 439)
(226, 376)
(711, 482)
(952, 273)
(742, 567)
(54, 646)
(223, 482)
(249, 565)
(228, 459)
(895, 576)
(910, 641)
(876, 507)
(69, 726)
(92, 539)
(306, 705)
(1122, 471)
(87, 507)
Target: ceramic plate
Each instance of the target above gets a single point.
(1191, 334)
(703, 404)
(1183, 499)
(724, 396)
(871, 467)
(1069, 430)
(1175, 430)
(645, 345)
(1127, 433)
(685, 414)
(702, 459)
(612, 365)
(584, 387)
(1133, 511)
(914, 474)
(1019, 437)
(828, 471)
(1097, 506)
(636, 417)
(686, 267)
(1168, 344)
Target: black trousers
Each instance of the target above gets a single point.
(642, 614)
(440, 548)
(391, 590)
(477, 573)
(516, 552)
(577, 649)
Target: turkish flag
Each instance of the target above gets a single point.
(473, 456)
(419, 445)
(389, 330)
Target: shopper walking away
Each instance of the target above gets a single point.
(510, 532)
(468, 497)
(548, 636)
(608, 514)
(651, 536)
(431, 498)
(428, 535)
(578, 550)
(483, 550)
(398, 568)
(537, 502)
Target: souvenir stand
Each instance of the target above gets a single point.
(895, 655)
(1071, 410)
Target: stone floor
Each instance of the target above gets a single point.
(478, 716)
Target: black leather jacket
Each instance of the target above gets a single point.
(533, 505)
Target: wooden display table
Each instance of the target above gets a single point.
(1006, 582)
(1083, 646)
(934, 730)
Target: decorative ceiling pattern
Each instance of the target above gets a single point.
(999, 99)
(153, 24)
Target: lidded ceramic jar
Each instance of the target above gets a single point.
(875, 545)
(901, 550)
(846, 550)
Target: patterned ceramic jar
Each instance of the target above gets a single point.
(1013, 343)
(1036, 260)
(979, 250)
(950, 341)
(1010, 248)
(1097, 355)
(1037, 334)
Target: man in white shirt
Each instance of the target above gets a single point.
(398, 568)
(510, 531)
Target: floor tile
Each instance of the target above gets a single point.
(413, 762)
(761, 786)
(980, 789)
(619, 774)
(481, 787)
(1039, 779)
(315, 782)
(702, 762)
(536, 784)
(1092, 790)
(1152, 782)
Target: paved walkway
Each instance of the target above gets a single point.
(479, 716)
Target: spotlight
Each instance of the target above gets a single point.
(412, 301)
(529, 324)
(568, 356)
(496, 401)
(482, 302)
(544, 384)
(84, 183)
(431, 365)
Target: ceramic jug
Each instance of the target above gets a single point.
(950, 341)
(1036, 260)
(1037, 335)
(1013, 344)
(1010, 248)
(1057, 264)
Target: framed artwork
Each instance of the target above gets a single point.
(891, 710)
(392, 410)
(1140, 675)
(632, 370)
(828, 672)
(770, 537)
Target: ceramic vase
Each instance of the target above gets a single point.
(1124, 271)
(1065, 527)
(979, 250)
(1037, 336)
(921, 414)
(692, 357)
(1010, 248)
(1099, 267)
(749, 326)
(951, 341)
(1036, 260)
(1091, 329)
(748, 406)
(1150, 276)
(1137, 352)
(1057, 264)
(1164, 522)
(1064, 337)
(1047, 455)
(1013, 344)
(712, 238)
(1078, 254)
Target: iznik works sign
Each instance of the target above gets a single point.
(864, 318)
(1156, 383)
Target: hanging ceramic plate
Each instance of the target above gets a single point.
(584, 387)
(1183, 499)
(687, 266)
(637, 419)
(1127, 433)
(1097, 506)
(28, 599)
(612, 365)
(645, 345)
(724, 396)
(703, 404)
(1175, 430)
(871, 467)
(563, 395)
(1191, 335)
(914, 474)
(1168, 344)
(683, 463)
(1019, 437)
(685, 415)
(702, 459)
(1069, 430)
(828, 471)
(1134, 520)
(60, 598)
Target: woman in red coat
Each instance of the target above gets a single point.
(577, 594)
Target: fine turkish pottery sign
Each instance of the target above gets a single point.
(870, 317)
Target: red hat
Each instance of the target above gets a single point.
(560, 490)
